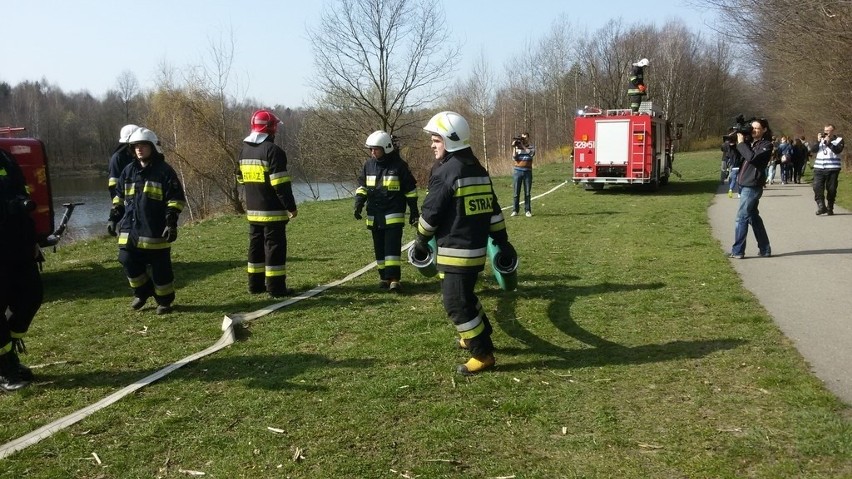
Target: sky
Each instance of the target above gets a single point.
(87, 44)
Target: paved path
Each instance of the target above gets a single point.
(807, 283)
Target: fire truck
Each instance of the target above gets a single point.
(31, 156)
(622, 147)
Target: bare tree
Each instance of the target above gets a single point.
(479, 92)
(128, 88)
(378, 59)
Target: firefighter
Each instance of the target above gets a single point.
(461, 211)
(122, 156)
(386, 185)
(21, 291)
(637, 83)
(149, 198)
(269, 205)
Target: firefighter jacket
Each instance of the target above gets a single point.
(461, 211)
(386, 186)
(121, 157)
(152, 198)
(263, 172)
(17, 228)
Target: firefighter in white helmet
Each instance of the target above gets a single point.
(637, 88)
(461, 211)
(386, 186)
(149, 198)
(122, 156)
(269, 205)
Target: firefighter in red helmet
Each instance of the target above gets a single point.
(269, 205)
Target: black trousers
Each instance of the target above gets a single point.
(466, 313)
(387, 244)
(161, 282)
(267, 257)
(825, 185)
(21, 292)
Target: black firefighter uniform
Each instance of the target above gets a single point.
(269, 198)
(20, 283)
(387, 186)
(461, 211)
(152, 197)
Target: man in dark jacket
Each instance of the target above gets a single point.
(20, 283)
(756, 153)
(461, 211)
(269, 205)
(148, 201)
(386, 186)
(122, 156)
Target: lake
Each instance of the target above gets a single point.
(90, 219)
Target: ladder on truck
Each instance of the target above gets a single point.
(638, 149)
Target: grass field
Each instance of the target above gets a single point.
(630, 349)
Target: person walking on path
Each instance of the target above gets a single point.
(386, 186)
(756, 154)
(826, 169)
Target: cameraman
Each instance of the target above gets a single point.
(21, 290)
(756, 151)
(826, 169)
(522, 153)
(731, 160)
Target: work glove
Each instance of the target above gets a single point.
(116, 213)
(111, 228)
(508, 251)
(413, 217)
(170, 233)
(421, 246)
(358, 210)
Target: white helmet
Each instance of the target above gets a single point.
(379, 139)
(144, 135)
(642, 63)
(126, 131)
(452, 127)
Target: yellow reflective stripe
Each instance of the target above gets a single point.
(5, 349)
(411, 194)
(391, 183)
(370, 180)
(423, 227)
(3, 172)
(164, 290)
(16, 335)
(176, 204)
(153, 189)
(472, 328)
(361, 191)
(113, 181)
(256, 267)
(116, 200)
(461, 262)
(122, 238)
(276, 271)
(393, 261)
(267, 216)
(279, 178)
(138, 281)
(478, 204)
(472, 190)
(129, 189)
(254, 171)
(153, 243)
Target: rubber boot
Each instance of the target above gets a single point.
(830, 210)
(476, 365)
(11, 378)
(18, 346)
(821, 209)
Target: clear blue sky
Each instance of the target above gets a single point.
(87, 44)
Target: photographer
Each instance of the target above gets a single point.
(756, 151)
(522, 153)
(826, 169)
(21, 290)
(731, 160)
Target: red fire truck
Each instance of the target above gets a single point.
(622, 147)
(31, 156)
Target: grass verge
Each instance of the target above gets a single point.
(629, 350)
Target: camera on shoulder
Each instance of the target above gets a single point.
(517, 141)
(740, 126)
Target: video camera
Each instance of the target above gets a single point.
(517, 141)
(740, 126)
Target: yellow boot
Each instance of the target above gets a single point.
(476, 365)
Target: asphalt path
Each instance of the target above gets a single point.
(806, 286)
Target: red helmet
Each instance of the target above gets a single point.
(264, 121)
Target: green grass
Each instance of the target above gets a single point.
(629, 350)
